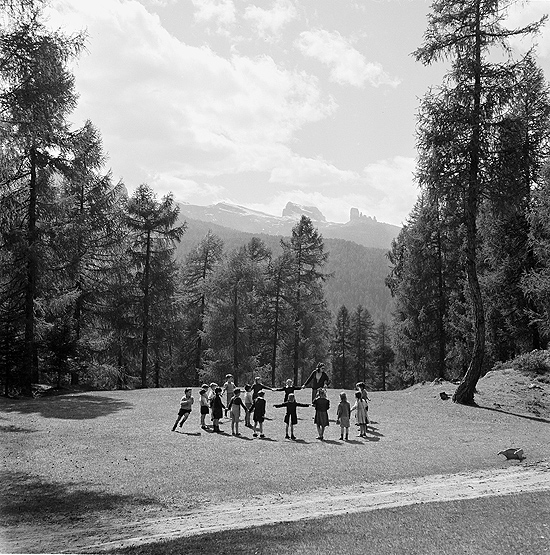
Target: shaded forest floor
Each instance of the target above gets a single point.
(78, 467)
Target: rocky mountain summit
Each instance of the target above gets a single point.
(361, 229)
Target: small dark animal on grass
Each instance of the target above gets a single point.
(444, 396)
(512, 453)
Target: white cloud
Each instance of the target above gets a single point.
(220, 12)
(347, 65)
(270, 22)
(164, 106)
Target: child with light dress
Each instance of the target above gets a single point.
(343, 413)
(234, 408)
(248, 404)
(205, 405)
(360, 408)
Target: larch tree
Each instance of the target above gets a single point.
(154, 232)
(307, 254)
(467, 32)
(36, 96)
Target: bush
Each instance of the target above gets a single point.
(535, 362)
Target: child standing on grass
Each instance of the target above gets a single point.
(360, 408)
(229, 390)
(217, 407)
(321, 404)
(257, 386)
(248, 404)
(288, 389)
(234, 407)
(205, 406)
(259, 414)
(342, 415)
(291, 418)
(185, 408)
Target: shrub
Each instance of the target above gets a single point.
(535, 362)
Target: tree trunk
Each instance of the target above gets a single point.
(30, 366)
(464, 393)
(146, 301)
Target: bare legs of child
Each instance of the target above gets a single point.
(183, 417)
(234, 425)
(260, 425)
(320, 431)
(342, 430)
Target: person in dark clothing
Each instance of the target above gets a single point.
(319, 380)
(291, 417)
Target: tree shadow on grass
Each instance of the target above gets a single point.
(69, 407)
(525, 416)
(28, 499)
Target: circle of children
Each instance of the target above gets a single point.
(253, 404)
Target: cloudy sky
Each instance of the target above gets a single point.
(260, 102)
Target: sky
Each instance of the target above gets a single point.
(261, 102)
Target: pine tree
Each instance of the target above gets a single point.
(362, 336)
(342, 349)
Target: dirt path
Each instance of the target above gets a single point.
(270, 509)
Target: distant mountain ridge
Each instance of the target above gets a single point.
(364, 230)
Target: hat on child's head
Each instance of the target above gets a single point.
(205, 386)
(187, 389)
(228, 376)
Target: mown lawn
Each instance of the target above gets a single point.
(78, 458)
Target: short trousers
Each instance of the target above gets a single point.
(205, 410)
(183, 411)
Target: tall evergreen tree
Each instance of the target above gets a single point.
(306, 251)
(342, 349)
(362, 336)
(197, 268)
(465, 32)
(153, 228)
(36, 96)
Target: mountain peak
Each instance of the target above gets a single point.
(293, 210)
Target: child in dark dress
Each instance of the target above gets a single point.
(291, 418)
(321, 404)
(288, 389)
(217, 407)
(259, 414)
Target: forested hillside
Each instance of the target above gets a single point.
(357, 272)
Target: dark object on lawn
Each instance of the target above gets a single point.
(513, 453)
(444, 396)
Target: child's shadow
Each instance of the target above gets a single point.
(244, 437)
(368, 438)
(354, 442)
(187, 433)
(267, 439)
(301, 441)
(331, 442)
(375, 433)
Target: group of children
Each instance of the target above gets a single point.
(254, 406)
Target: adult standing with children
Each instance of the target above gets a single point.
(319, 380)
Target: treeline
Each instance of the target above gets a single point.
(471, 269)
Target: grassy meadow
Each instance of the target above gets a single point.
(74, 460)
